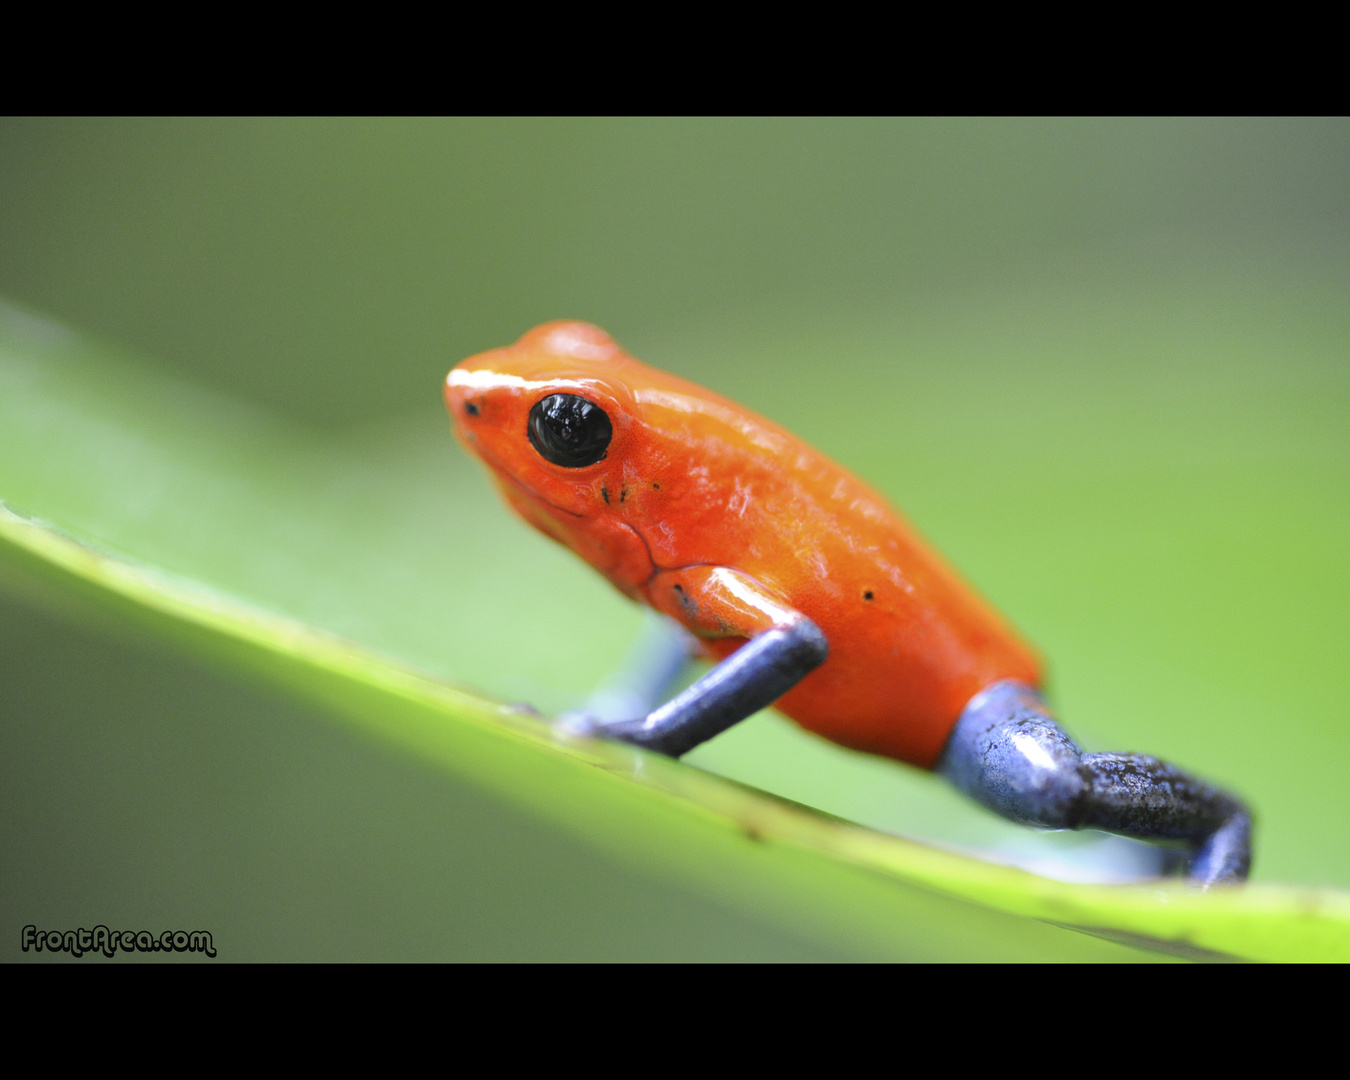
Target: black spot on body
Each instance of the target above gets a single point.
(471, 408)
(688, 603)
(867, 595)
(605, 492)
(656, 486)
(623, 493)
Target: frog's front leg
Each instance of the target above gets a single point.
(1008, 753)
(783, 647)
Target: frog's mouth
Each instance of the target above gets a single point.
(516, 482)
(555, 522)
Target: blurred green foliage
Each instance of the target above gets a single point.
(336, 268)
(1102, 364)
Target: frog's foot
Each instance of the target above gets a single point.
(581, 724)
(1008, 753)
(1226, 856)
(655, 663)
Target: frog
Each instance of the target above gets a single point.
(805, 589)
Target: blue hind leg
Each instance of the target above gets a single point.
(1007, 753)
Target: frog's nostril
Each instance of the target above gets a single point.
(471, 408)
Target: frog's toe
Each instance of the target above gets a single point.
(580, 723)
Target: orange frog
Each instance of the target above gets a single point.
(805, 586)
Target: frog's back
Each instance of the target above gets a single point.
(910, 642)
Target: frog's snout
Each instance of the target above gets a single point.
(454, 394)
(461, 401)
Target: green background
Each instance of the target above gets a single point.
(1102, 364)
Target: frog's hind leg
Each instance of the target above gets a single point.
(1008, 753)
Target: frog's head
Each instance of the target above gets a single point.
(553, 417)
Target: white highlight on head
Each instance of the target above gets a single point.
(490, 380)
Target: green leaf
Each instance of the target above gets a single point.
(352, 572)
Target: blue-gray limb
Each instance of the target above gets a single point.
(752, 678)
(1008, 753)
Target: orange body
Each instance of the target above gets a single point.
(728, 523)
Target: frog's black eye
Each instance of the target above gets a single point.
(569, 430)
